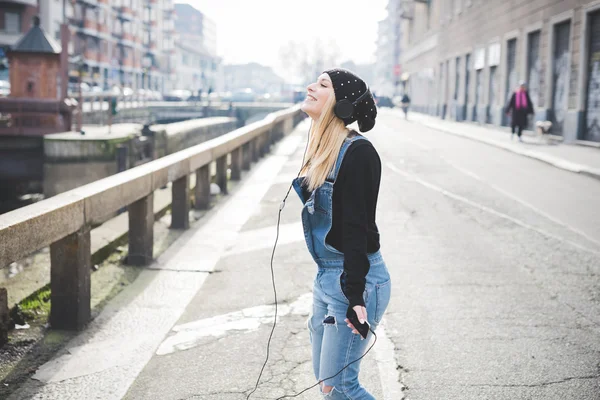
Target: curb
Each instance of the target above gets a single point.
(545, 158)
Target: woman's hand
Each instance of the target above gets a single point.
(361, 314)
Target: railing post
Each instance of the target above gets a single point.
(236, 164)
(246, 156)
(266, 142)
(261, 145)
(254, 148)
(222, 173)
(180, 206)
(70, 267)
(3, 317)
(202, 189)
(141, 231)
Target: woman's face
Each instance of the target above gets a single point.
(317, 95)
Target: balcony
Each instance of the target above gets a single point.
(90, 25)
(91, 55)
(32, 3)
(124, 13)
(92, 3)
(103, 28)
(126, 62)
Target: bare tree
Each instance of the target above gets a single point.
(305, 62)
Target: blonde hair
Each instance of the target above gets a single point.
(325, 140)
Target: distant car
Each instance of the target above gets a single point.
(245, 95)
(384, 101)
(4, 88)
(73, 88)
(115, 90)
(127, 91)
(97, 89)
(178, 95)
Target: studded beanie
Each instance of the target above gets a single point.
(347, 85)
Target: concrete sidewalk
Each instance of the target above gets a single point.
(580, 159)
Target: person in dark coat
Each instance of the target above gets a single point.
(520, 106)
(405, 103)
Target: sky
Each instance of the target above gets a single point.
(255, 30)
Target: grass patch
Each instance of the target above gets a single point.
(32, 307)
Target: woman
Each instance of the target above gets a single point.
(521, 107)
(339, 185)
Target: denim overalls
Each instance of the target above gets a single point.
(333, 343)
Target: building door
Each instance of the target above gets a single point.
(493, 87)
(467, 82)
(478, 92)
(560, 76)
(511, 71)
(592, 106)
(455, 109)
(534, 66)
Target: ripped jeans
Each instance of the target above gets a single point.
(333, 343)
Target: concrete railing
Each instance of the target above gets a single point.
(63, 222)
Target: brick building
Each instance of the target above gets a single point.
(123, 42)
(126, 42)
(463, 59)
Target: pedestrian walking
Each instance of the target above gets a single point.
(405, 103)
(339, 185)
(519, 107)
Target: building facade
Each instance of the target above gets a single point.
(387, 71)
(464, 58)
(119, 42)
(195, 57)
(123, 41)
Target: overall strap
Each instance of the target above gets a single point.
(336, 169)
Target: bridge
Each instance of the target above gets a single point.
(142, 110)
(493, 247)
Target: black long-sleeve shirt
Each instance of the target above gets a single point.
(354, 231)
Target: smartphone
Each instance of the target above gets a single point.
(363, 329)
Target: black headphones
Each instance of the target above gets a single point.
(344, 108)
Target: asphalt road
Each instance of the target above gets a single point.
(495, 261)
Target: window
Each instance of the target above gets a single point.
(12, 22)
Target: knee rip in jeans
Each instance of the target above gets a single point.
(328, 391)
(330, 321)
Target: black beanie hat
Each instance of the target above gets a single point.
(347, 85)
